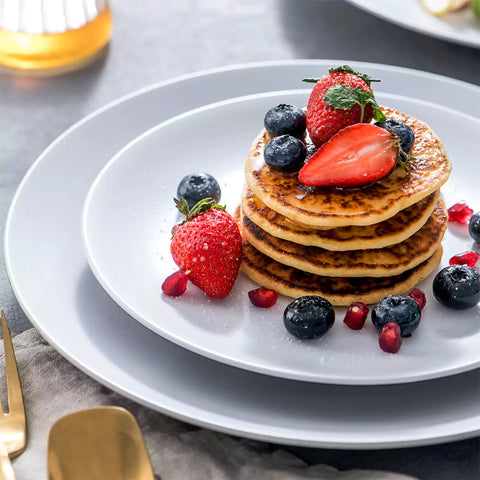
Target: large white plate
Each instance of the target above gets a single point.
(127, 223)
(459, 27)
(52, 281)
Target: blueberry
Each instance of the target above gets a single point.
(474, 227)
(402, 131)
(194, 188)
(457, 286)
(399, 309)
(285, 120)
(285, 154)
(309, 317)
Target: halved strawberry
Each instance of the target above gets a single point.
(357, 155)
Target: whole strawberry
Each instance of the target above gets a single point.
(339, 99)
(208, 247)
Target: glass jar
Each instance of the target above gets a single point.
(52, 35)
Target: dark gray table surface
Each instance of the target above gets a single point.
(154, 41)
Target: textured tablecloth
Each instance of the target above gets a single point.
(53, 387)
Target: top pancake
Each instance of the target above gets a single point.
(336, 207)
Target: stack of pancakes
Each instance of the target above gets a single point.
(350, 244)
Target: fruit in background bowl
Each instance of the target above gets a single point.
(355, 156)
(475, 6)
(441, 7)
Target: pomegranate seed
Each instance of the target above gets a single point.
(263, 297)
(419, 297)
(460, 212)
(356, 315)
(175, 284)
(390, 339)
(465, 258)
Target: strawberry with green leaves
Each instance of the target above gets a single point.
(208, 247)
(339, 99)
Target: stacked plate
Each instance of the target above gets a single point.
(460, 26)
(224, 364)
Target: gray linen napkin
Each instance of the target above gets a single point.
(53, 388)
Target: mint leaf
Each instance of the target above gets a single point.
(348, 69)
(343, 68)
(377, 111)
(311, 80)
(342, 97)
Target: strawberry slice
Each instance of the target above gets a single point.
(357, 155)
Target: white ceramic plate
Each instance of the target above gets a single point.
(459, 27)
(129, 213)
(49, 273)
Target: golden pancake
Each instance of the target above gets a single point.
(393, 230)
(381, 262)
(336, 207)
(339, 291)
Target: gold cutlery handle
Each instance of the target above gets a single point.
(6, 469)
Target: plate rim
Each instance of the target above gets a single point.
(201, 349)
(213, 423)
(449, 37)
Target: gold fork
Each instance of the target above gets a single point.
(13, 429)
